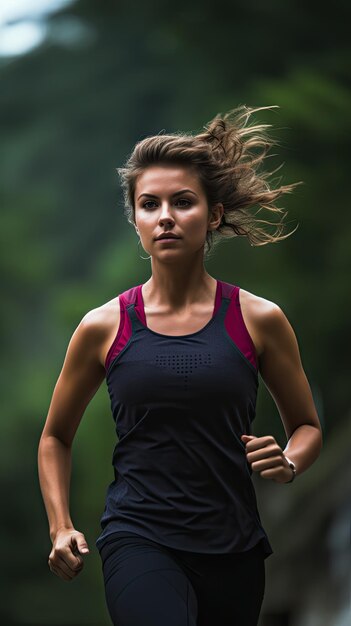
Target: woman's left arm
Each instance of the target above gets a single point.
(283, 374)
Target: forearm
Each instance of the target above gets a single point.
(304, 446)
(54, 466)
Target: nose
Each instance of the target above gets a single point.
(165, 215)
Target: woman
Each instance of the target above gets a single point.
(182, 541)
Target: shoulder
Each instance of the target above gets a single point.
(99, 318)
(98, 327)
(96, 322)
(265, 320)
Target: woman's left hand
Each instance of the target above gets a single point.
(267, 458)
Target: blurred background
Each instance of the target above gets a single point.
(80, 83)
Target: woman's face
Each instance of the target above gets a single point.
(170, 199)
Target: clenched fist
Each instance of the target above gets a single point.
(267, 458)
(65, 557)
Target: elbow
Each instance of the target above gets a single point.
(318, 439)
(49, 441)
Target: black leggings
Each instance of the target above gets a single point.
(147, 584)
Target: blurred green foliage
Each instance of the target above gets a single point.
(70, 115)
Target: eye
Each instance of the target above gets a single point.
(184, 200)
(176, 202)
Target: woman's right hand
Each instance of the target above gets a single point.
(65, 558)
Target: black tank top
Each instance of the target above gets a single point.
(180, 404)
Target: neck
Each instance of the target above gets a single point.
(178, 287)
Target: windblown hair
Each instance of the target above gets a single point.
(227, 158)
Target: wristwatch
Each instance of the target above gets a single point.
(293, 467)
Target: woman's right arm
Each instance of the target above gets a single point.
(81, 376)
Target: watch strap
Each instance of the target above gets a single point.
(293, 467)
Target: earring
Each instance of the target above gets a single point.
(143, 257)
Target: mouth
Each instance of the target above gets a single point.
(167, 238)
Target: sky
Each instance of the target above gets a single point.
(23, 24)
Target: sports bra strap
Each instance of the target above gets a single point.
(130, 296)
(227, 290)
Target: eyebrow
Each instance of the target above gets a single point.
(177, 193)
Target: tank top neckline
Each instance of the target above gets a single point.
(218, 298)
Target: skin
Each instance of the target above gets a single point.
(179, 296)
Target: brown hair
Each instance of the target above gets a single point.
(226, 157)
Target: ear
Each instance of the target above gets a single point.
(216, 216)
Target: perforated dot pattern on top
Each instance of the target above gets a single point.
(184, 363)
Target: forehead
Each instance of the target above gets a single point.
(160, 179)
